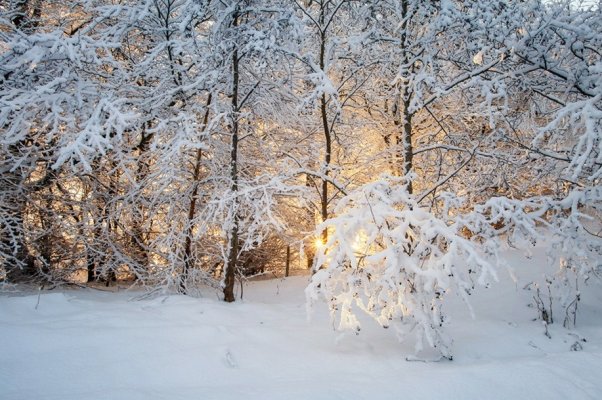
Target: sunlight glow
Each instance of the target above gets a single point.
(360, 243)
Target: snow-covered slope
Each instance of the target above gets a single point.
(87, 344)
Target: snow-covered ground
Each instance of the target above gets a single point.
(88, 344)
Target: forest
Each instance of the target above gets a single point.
(387, 149)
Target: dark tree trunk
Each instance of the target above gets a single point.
(188, 260)
(326, 130)
(404, 138)
(232, 261)
(288, 261)
(138, 239)
(403, 116)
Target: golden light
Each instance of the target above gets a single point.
(360, 243)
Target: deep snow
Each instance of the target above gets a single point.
(88, 344)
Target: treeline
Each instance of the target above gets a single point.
(187, 142)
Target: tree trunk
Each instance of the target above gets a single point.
(140, 249)
(188, 261)
(233, 235)
(288, 261)
(405, 137)
(327, 135)
(403, 116)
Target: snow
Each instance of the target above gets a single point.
(90, 344)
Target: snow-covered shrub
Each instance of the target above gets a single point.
(395, 261)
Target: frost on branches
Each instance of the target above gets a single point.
(395, 261)
(567, 228)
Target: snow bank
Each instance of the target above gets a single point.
(89, 344)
